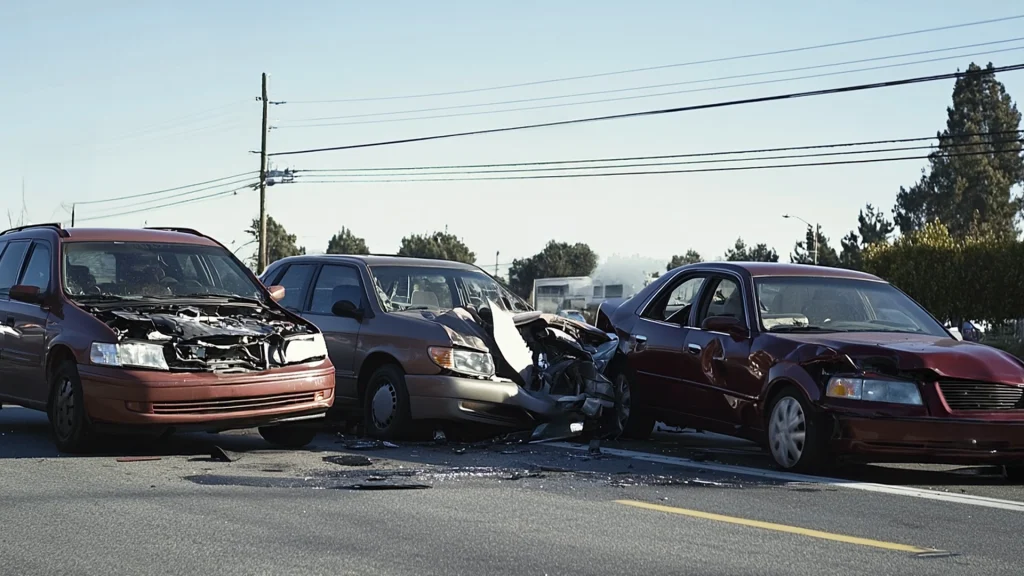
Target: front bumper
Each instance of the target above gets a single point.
(205, 400)
(443, 397)
(930, 440)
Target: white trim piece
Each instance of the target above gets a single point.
(985, 502)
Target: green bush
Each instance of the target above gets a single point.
(977, 278)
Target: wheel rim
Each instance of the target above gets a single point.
(64, 409)
(625, 401)
(384, 405)
(787, 432)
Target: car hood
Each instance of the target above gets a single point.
(944, 356)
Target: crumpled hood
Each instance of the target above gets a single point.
(945, 356)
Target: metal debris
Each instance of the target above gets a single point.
(384, 487)
(369, 445)
(219, 454)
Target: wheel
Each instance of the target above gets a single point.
(636, 423)
(386, 410)
(69, 423)
(1015, 473)
(796, 438)
(288, 436)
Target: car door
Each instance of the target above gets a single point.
(720, 363)
(296, 279)
(333, 283)
(657, 354)
(26, 351)
(11, 261)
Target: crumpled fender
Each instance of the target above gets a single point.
(799, 365)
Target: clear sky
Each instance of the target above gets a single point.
(110, 98)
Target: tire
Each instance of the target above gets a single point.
(637, 423)
(288, 436)
(386, 412)
(796, 438)
(1015, 473)
(69, 423)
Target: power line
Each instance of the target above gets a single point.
(651, 172)
(662, 111)
(679, 163)
(165, 190)
(666, 85)
(659, 94)
(240, 181)
(665, 66)
(176, 203)
(671, 156)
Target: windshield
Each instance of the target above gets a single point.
(429, 288)
(809, 304)
(136, 270)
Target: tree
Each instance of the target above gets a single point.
(438, 246)
(556, 260)
(803, 252)
(872, 228)
(345, 242)
(968, 185)
(740, 252)
(691, 257)
(280, 244)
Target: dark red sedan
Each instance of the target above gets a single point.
(815, 363)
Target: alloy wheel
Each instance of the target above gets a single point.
(787, 431)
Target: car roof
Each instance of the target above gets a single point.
(383, 260)
(160, 235)
(763, 269)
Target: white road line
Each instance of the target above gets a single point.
(968, 499)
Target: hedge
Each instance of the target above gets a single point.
(976, 279)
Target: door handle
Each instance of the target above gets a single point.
(639, 342)
(693, 348)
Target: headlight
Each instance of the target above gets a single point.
(874, 390)
(139, 354)
(304, 348)
(464, 361)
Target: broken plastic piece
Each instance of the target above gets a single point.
(219, 454)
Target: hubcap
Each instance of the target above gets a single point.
(625, 401)
(64, 410)
(384, 405)
(787, 431)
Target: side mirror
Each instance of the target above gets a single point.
(346, 309)
(27, 294)
(276, 293)
(725, 324)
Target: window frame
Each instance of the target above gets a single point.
(307, 307)
(667, 290)
(708, 290)
(5, 293)
(28, 259)
(307, 293)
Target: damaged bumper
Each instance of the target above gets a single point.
(150, 397)
(442, 397)
(930, 440)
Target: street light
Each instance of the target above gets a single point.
(809, 225)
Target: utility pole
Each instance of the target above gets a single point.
(262, 260)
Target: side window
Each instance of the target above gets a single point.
(724, 299)
(10, 265)
(336, 283)
(295, 281)
(37, 273)
(674, 302)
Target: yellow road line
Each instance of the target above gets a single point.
(778, 527)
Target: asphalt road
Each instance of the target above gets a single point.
(467, 509)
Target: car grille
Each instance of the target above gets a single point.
(966, 395)
(219, 406)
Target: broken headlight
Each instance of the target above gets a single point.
(468, 362)
(135, 354)
(304, 348)
(874, 390)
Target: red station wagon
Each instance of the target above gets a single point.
(162, 329)
(814, 363)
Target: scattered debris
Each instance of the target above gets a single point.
(439, 437)
(459, 450)
(138, 458)
(219, 454)
(348, 460)
(369, 445)
(384, 487)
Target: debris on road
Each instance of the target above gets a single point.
(138, 458)
(369, 445)
(348, 460)
(219, 454)
(384, 487)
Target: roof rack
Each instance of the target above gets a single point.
(60, 229)
(175, 229)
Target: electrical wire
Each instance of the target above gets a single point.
(672, 156)
(165, 190)
(176, 203)
(666, 66)
(663, 111)
(291, 123)
(650, 172)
